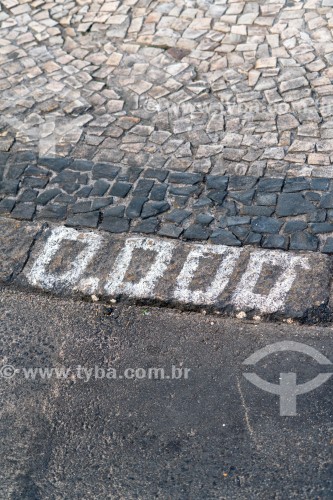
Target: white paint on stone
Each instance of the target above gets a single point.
(245, 297)
(88, 285)
(183, 292)
(145, 287)
(39, 274)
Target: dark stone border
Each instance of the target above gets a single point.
(293, 213)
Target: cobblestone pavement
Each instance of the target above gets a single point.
(295, 212)
(173, 113)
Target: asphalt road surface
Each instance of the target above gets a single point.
(208, 434)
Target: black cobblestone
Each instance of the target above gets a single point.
(134, 208)
(303, 241)
(89, 219)
(253, 239)
(204, 219)
(170, 230)
(284, 213)
(105, 171)
(182, 190)
(8, 187)
(151, 173)
(225, 237)
(115, 224)
(82, 165)
(328, 246)
(117, 211)
(293, 204)
(54, 212)
(47, 196)
(217, 182)
(28, 194)
(196, 232)
(270, 185)
(15, 171)
(177, 215)
(266, 225)
(184, 178)
(24, 211)
(320, 184)
(244, 197)
(148, 226)
(153, 208)
(99, 203)
(6, 206)
(326, 201)
(217, 196)
(294, 225)
(56, 164)
(296, 184)
(143, 188)
(84, 192)
(81, 207)
(237, 183)
(120, 189)
(275, 241)
(158, 192)
(100, 188)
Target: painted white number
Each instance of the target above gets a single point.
(220, 281)
(40, 276)
(145, 287)
(245, 297)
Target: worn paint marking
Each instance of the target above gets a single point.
(245, 296)
(39, 274)
(145, 287)
(117, 282)
(210, 295)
